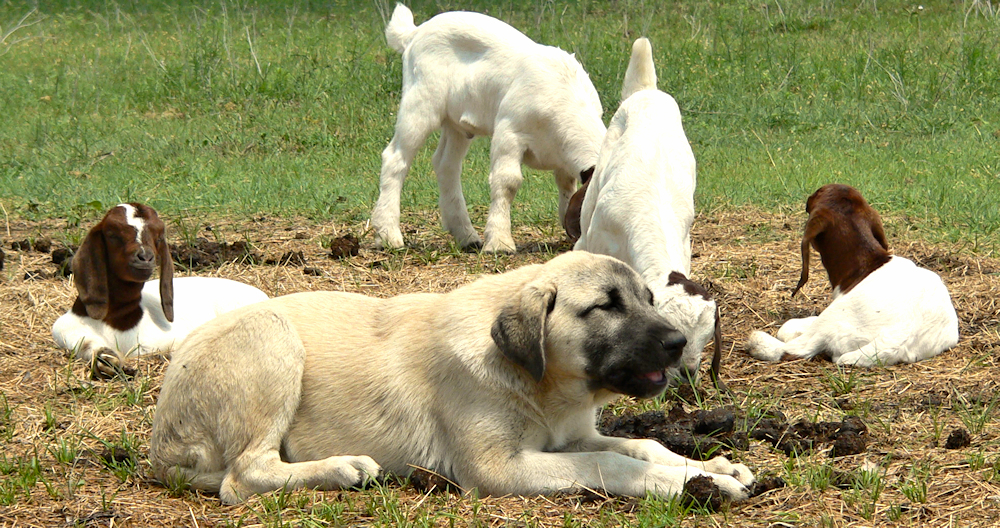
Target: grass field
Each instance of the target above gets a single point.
(265, 123)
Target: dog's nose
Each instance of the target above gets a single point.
(673, 340)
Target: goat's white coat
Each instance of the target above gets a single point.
(639, 206)
(469, 75)
(196, 300)
(899, 313)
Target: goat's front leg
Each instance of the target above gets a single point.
(416, 120)
(506, 153)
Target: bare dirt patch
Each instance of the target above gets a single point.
(74, 450)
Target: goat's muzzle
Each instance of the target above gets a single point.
(142, 264)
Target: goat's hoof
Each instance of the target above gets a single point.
(107, 364)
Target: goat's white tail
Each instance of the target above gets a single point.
(641, 74)
(399, 31)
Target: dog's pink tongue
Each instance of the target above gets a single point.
(655, 377)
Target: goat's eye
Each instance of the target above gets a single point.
(649, 293)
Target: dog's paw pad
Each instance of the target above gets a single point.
(107, 364)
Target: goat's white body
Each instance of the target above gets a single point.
(639, 208)
(900, 313)
(468, 75)
(196, 300)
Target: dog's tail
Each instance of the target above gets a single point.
(399, 31)
(641, 74)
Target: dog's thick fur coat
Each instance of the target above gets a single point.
(494, 385)
(469, 75)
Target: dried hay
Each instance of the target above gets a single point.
(748, 258)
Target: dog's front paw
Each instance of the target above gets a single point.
(367, 469)
(106, 364)
(722, 466)
(732, 489)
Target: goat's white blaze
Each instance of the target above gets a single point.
(134, 220)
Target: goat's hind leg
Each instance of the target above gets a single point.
(764, 347)
(448, 167)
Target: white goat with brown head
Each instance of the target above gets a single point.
(117, 312)
(885, 309)
(639, 207)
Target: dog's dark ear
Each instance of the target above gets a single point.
(816, 224)
(571, 219)
(90, 273)
(166, 278)
(519, 330)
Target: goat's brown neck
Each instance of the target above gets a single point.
(849, 261)
(124, 309)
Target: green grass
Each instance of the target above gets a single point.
(283, 108)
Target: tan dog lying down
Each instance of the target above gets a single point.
(494, 385)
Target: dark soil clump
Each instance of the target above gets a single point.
(702, 492)
(704, 434)
(205, 253)
(699, 434)
(425, 481)
(765, 485)
(289, 258)
(958, 439)
(345, 246)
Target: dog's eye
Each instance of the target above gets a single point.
(611, 304)
(649, 293)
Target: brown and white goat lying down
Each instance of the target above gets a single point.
(639, 207)
(117, 313)
(885, 309)
(469, 75)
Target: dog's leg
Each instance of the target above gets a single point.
(447, 162)
(506, 153)
(532, 473)
(653, 451)
(417, 119)
(261, 471)
(229, 398)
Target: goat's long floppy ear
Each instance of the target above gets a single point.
(717, 357)
(166, 278)
(90, 273)
(519, 330)
(878, 231)
(816, 224)
(571, 220)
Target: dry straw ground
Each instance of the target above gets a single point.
(748, 258)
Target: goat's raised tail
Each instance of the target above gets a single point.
(641, 73)
(399, 31)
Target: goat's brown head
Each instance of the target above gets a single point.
(847, 233)
(571, 218)
(118, 256)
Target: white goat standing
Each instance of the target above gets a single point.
(469, 75)
(885, 309)
(639, 206)
(117, 313)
